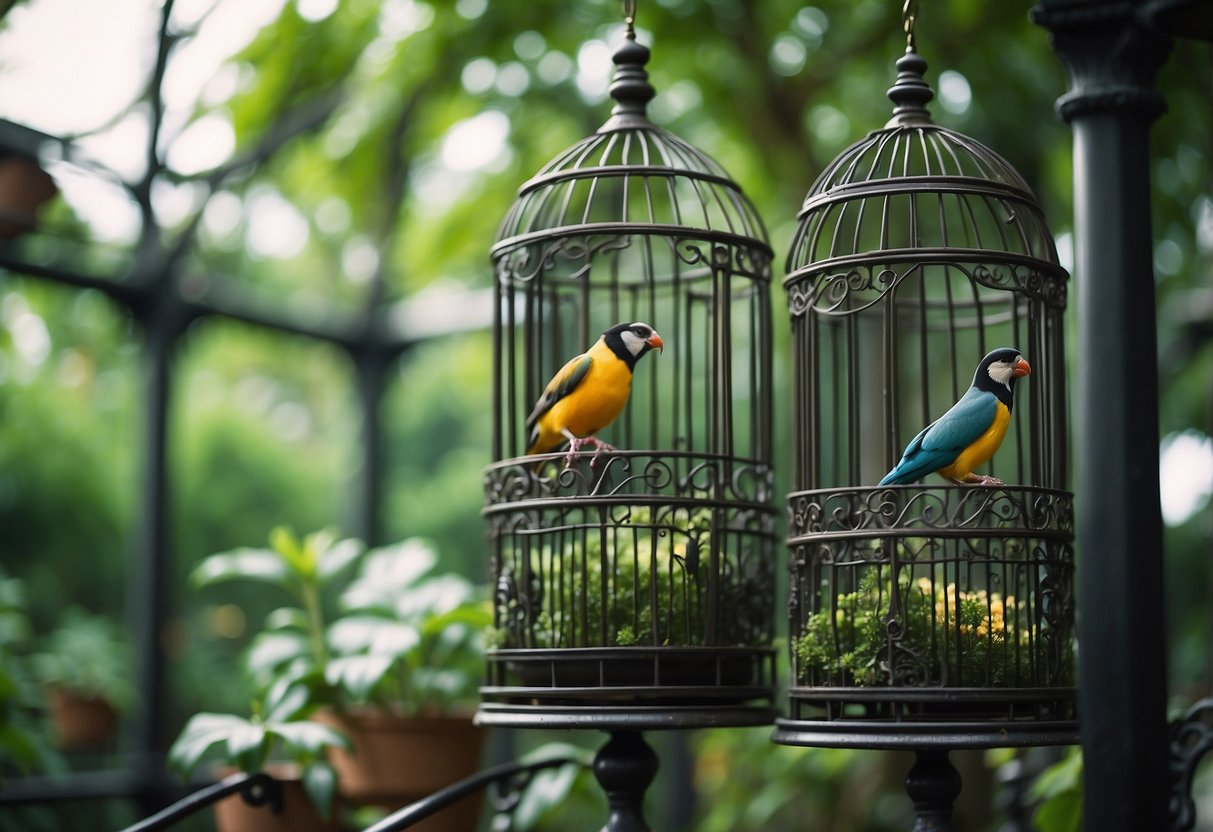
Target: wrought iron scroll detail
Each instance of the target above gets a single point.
(860, 286)
(1191, 740)
(1006, 510)
(625, 474)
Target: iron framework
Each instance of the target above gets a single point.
(925, 614)
(634, 589)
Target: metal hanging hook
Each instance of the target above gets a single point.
(909, 16)
(629, 16)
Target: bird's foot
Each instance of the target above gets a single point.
(979, 479)
(599, 448)
(575, 445)
(578, 443)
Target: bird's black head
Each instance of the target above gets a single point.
(630, 341)
(998, 371)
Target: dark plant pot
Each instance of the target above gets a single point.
(397, 760)
(234, 814)
(81, 722)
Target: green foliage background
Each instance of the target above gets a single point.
(264, 427)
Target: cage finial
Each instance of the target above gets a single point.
(910, 92)
(630, 87)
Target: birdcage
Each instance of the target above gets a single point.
(633, 585)
(929, 611)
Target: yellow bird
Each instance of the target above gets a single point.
(589, 391)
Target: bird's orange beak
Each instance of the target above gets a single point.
(1021, 369)
(654, 341)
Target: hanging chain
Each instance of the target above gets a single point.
(909, 16)
(629, 16)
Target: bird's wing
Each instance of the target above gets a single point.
(939, 443)
(564, 382)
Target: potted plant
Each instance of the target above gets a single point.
(275, 740)
(395, 666)
(85, 668)
(23, 746)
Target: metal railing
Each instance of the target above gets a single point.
(261, 789)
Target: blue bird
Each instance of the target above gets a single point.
(967, 436)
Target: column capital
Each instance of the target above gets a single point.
(1112, 54)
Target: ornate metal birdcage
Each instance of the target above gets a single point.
(925, 611)
(633, 586)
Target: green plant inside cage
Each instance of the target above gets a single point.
(929, 633)
(642, 580)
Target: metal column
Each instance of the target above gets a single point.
(1112, 58)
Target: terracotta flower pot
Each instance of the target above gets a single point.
(24, 187)
(397, 760)
(234, 814)
(81, 721)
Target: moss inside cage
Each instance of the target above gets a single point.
(930, 633)
(643, 579)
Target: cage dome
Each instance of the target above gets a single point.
(635, 586)
(916, 193)
(628, 176)
(929, 610)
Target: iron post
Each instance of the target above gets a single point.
(1112, 57)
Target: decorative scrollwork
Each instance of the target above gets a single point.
(1002, 511)
(1191, 740)
(835, 292)
(575, 255)
(861, 285)
(1045, 282)
(619, 474)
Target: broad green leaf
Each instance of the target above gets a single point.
(338, 557)
(246, 745)
(395, 639)
(311, 737)
(434, 597)
(200, 733)
(1064, 775)
(353, 633)
(320, 783)
(473, 616)
(358, 675)
(387, 573)
(550, 787)
(260, 565)
(1059, 790)
(270, 651)
(287, 618)
(447, 684)
(1061, 813)
(286, 699)
(298, 555)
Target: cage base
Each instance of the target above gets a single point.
(624, 717)
(844, 733)
(925, 718)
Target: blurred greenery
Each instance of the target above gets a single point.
(387, 140)
(88, 656)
